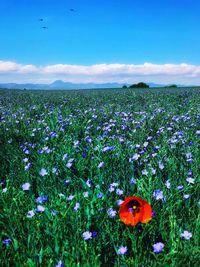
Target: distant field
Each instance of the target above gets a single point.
(67, 158)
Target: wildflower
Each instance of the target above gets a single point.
(108, 148)
(67, 182)
(132, 181)
(144, 172)
(100, 195)
(85, 194)
(94, 234)
(5, 190)
(41, 199)
(27, 166)
(60, 264)
(77, 206)
(7, 242)
(186, 235)
(168, 184)
(190, 180)
(89, 183)
(186, 196)
(122, 250)
(158, 247)
(119, 202)
(26, 186)
(43, 172)
(134, 210)
(87, 235)
(65, 156)
(40, 208)
(30, 214)
(180, 187)
(69, 164)
(134, 157)
(158, 194)
(70, 197)
(119, 192)
(101, 165)
(111, 212)
(161, 165)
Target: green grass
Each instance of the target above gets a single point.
(29, 120)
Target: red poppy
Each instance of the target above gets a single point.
(134, 210)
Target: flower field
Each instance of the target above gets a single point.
(68, 160)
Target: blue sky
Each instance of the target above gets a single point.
(123, 32)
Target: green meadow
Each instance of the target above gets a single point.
(69, 158)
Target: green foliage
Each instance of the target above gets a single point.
(167, 119)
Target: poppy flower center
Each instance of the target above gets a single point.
(134, 206)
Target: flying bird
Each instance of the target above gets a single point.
(41, 19)
(44, 27)
(72, 10)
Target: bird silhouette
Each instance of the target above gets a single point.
(41, 19)
(72, 10)
(44, 27)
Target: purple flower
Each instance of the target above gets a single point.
(87, 235)
(111, 212)
(158, 247)
(186, 235)
(122, 250)
(190, 180)
(7, 242)
(158, 194)
(26, 186)
(43, 172)
(77, 206)
(119, 192)
(40, 208)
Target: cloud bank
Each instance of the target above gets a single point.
(183, 73)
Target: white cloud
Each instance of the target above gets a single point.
(160, 73)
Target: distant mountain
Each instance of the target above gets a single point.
(61, 85)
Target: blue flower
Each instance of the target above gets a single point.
(41, 199)
(158, 247)
(7, 242)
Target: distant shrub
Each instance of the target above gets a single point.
(124, 87)
(173, 86)
(139, 85)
